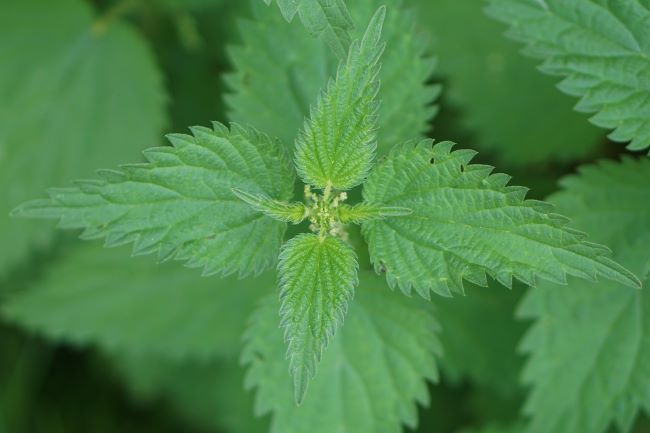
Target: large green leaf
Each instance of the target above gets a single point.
(104, 297)
(336, 146)
(467, 223)
(279, 73)
(317, 279)
(180, 204)
(602, 49)
(499, 96)
(68, 95)
(590, 343)
(328, 19)
(371, 376)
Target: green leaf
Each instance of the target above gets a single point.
(467, 223)
(68, 95)
(590, 344)
(317, 279)
(299, 67)
(328, 19)
(601, 48)
(180, 204)
(512, 109)
(480, 337)
(103, 297)
(210, 396)
(288, 212)
(371, 376)
(337, 144)
(363, 212)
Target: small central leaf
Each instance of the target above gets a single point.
(317, 280)
(338, 142)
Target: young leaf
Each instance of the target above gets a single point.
(304, 64)
(293, 213)
(317, 279)
(466, 223)
(364, 212)
(338, 142)
(371, 376)
(180, 204)
(328, 19)
(103, 297)
(59, 72)
(511, 110)
(601, 48)
(590, 344)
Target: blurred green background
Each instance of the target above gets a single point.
(93, 341)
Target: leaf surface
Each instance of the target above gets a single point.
(371, 376)
(601, 48)
(467, 223)
(300, 67)
(180, 203)
(328, 19)
(590, 343)
(68, 96)
(337, 143)
(497, 94)
(103, 297)
(317, 280)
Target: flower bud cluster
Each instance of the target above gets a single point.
(323, 212)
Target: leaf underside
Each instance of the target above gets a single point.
(180, 203)
(601, 48)
(317, 280)
(467, 223)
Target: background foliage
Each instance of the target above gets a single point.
(94, 340)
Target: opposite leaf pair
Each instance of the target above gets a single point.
(431, 219)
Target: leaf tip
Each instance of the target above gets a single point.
(300, 385)
(246, 197)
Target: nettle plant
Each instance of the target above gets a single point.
(221, 199)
